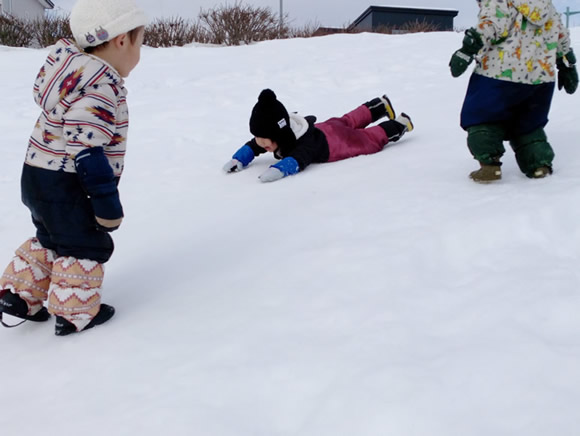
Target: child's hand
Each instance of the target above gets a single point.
(271, 175)
(461, 59)
(567, 73)
(233, 165)
(286, 167)
(240, 160)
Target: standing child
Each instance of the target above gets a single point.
(298, 141)
(72, 168)
(517, 44)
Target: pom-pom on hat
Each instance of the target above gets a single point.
(94, 22)
(270, 120)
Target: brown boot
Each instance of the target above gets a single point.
(486, 174)
(541, 172)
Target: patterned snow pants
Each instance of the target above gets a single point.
(71, 286)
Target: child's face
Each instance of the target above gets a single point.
(267, 144)
(131, 54)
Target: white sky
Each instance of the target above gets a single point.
(329, 13)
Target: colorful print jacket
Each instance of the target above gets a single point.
(83, 104)
(521, 40)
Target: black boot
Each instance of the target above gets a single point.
(64, 327)
(381, 107)
(395, 129)
(13, 304)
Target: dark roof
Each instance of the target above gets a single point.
(405, 10)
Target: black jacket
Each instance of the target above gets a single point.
(311, 147)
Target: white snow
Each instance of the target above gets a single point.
(381, 295)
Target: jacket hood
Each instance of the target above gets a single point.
(535, 11)
(68, 73)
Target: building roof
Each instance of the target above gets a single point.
(405, 9)
(46, 4)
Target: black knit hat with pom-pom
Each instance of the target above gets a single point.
(270, 120)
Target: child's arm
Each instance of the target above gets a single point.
(100, 183)
(566, 61)
(90, 125)
(243, 157)
(495, 21)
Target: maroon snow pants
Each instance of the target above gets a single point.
(347, 136)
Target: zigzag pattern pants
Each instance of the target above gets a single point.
(71, 286)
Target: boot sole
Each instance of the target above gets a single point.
(389, 108)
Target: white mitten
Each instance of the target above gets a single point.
(271, 175)
(233, 166)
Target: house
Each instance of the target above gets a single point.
(396, 17)
(25, 9)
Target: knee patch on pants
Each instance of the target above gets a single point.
(485, 142)
(532, 151)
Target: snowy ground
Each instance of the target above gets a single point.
(381, 295)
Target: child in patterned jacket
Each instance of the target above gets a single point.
(298, 141)
(73, 164)
(518, 44)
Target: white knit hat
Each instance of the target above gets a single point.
(94, 22)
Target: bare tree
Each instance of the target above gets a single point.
(174, 31)
(237, 24)
(14, 32)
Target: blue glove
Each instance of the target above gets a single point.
(240, 159)
(286, 167)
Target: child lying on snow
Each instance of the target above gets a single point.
(298, 141)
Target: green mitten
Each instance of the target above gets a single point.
(567, 73)
(461, 59)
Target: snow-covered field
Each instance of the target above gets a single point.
(381, 295)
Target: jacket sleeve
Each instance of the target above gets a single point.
(495, 21)
(309, 147)
(255, 147)
(99, 182)
(91, 120)
(564, 44)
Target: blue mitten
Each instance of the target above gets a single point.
(286, 167)
(240, 159)
(98, 180)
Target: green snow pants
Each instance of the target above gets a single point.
(485, 142)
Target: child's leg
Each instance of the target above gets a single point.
(381, 107)
(356, 119)
(533, 153)
(485, 142)
(527, 136)
(75, 290)
(28, 275)
(345, 142)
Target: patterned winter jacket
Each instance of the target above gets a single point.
(83, 105)
(521, 40)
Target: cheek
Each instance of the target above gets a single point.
(137, 55)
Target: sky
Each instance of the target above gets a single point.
(379, 295)
(328, 13)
